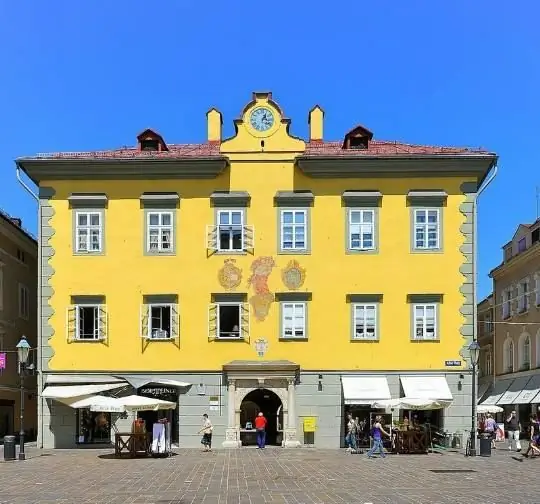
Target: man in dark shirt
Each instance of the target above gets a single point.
(514, 428)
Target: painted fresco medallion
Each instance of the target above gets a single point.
(261, 346)
(262, 298)
(230, 275)
(293, 276)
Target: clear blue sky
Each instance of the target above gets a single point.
(81, 75)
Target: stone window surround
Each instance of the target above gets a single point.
(160, 202)
(427, 200)
(88, 203)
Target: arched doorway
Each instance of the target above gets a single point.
(271, 406)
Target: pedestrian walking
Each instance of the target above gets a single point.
(490, 426)
(534, 437)
(350, 438)
(514, 429)
(377, 433)
(206, 431)
(260, 427)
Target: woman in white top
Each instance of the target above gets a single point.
(206, 431)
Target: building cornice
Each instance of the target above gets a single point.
(515, 262)
(343, 166)
(39, 170)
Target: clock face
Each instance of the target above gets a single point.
(262, 119)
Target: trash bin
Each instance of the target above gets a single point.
(9, 447)
(485, 444)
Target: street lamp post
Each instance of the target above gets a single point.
(474, 350)
(23, 349)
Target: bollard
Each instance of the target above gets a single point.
(9, 447)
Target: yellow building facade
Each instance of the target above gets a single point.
(301, 278)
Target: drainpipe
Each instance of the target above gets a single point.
(475, 294)
(39, 280)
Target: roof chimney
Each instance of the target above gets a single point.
(215, 122)
(315, 121)
(17, 221)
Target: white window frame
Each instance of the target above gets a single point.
(218, 331)
(365, 322)
(523, 295)
(160, 229)
(150, 329)
(506, 304)
(229, 228)
(24, 302)
(294, 227)
(425, 227)
(508, 356)
(360, 226)
(97, 322)
(79, 230)
(298, 310)
(424, 321)
(525, 363)
(488, 362)
(537, 289)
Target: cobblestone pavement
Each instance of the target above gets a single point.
(274, 475)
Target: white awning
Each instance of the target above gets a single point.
(498, 390)
(530, 391)
(81, 378)
(120, 404)
(364, 389)
(482, 389)
(514, 390)
(412, 404)
(426, 387)
(142, 381)
(69, 391)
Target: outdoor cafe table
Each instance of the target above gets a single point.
(411, 441)
(132, 444)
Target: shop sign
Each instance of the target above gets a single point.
(452, 363)
(214, 403)
(310, 424)
(157, 391)
(3, 360)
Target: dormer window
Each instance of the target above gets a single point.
(149, 145)
(357, 139)
(535, 236)
(150, 141)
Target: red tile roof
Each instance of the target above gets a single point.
(175, 151)
(383, 148)
(313, 148)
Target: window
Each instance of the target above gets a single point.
(159, 232)
(230, 230)
(21, 255)
(228, 321)
(293, 320)
(524, 352)
(523, 293)
(93, 427)
(24, 302)
(506, 303)
(361, 234)
(427, 229)
(537, 289)
(88, 232)
(365, 321)
(535, 236)
(487, 323)
(87, 320)
(508, 356)
(159, 317)
(488, 363)
(293, 225)
(522, 245)
(425, 321)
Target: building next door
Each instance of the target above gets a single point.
(152, 417)
(269, 403)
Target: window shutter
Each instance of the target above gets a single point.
(175, 322)
(71, 323)
(249, 238)
(103, 329)
(145, 309)
(211, 237)
(244, 321)
(212, 322)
